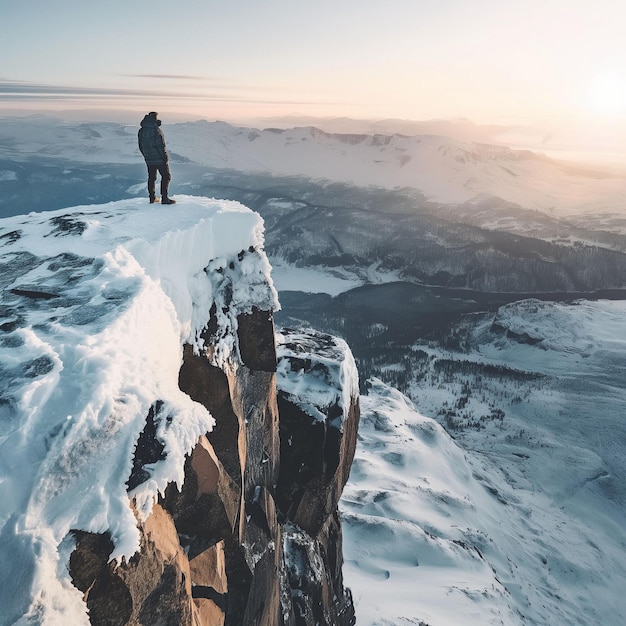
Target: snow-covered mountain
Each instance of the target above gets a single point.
(526, 524)
(443, 169)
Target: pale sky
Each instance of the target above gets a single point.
(487, 60)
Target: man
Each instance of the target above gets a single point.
(152, 146)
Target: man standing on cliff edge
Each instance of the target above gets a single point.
(152, 146)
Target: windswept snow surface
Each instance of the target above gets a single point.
(441, 535)
(580, 413)
(97, 302)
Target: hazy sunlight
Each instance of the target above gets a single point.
(607, 94)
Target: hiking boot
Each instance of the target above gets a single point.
(168, 201)
(154, 200)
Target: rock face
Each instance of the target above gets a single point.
(319, 417)
(253, 537)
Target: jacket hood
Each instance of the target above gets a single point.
(148, 120)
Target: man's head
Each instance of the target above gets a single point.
(153, 115)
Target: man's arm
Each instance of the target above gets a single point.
(161, 144)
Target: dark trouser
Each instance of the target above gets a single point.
(164, 170)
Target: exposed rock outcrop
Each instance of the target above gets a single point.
(319, 417)
(253, 536)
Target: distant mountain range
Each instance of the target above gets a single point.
(443, 169)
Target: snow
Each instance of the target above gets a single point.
(288, 277)
(97, 303)
(7, 175)
(329, 280)
(445, 535)
(443, 169)
(552, 527)
(316, 371)
(579, 348)
(581, 328)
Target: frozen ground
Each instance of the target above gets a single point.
(288, 277)
(330, 280)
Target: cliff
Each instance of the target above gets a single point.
(161, 462)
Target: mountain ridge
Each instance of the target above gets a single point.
(443, 169)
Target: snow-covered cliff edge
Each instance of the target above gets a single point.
(139, 442)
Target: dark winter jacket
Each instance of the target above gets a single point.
(152, 141)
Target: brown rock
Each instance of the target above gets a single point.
(153, 588)
(208, 569)
(208, 612)
(219, 551)
(209, 584)
(206, 466)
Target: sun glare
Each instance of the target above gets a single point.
(607, 94)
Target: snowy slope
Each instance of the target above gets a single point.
(442, 535)
(89, 295)
(552, 462)
(443, 169)
(580, 349)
